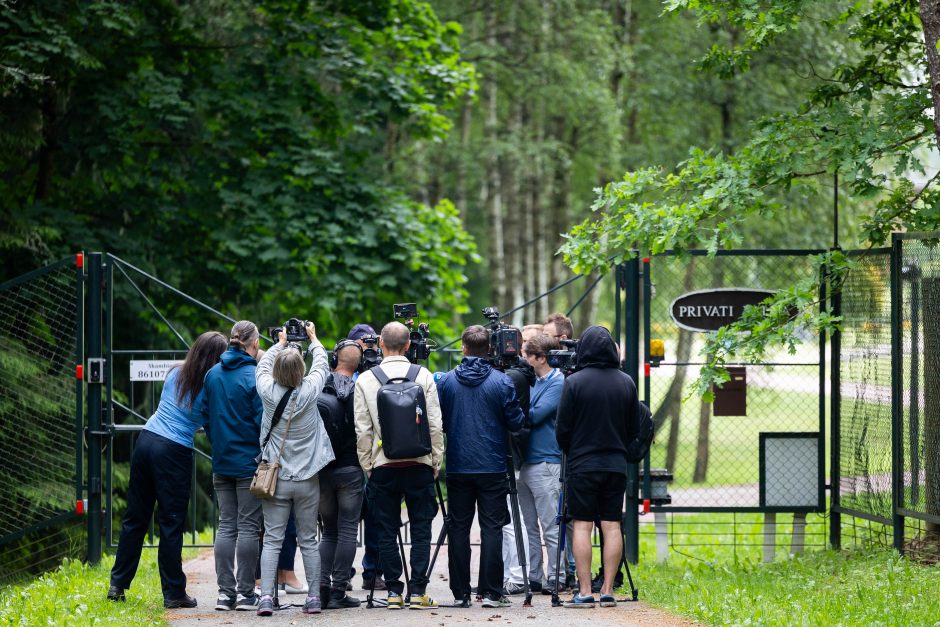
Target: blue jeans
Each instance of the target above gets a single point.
(340, 505)
(160, 474)
(236, 541)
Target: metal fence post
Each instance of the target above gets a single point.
(94, 432)
(631, 367)
(835, 412)
(897, 449)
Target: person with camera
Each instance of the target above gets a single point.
(230, 409)
(341, 480)
(371, 573)
(161, 470)
(479, 406)
(383, 440)
(298, 442)
(539, 478)
(597, 418)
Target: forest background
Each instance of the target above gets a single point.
(327, 159)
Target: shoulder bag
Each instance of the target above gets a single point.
(264, 483)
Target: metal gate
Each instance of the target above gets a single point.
(40, 419)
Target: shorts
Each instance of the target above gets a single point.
(594, 495)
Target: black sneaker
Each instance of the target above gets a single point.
(116, 594)
(597, 582)
(550, 588)
(535, 586)
(367, 583)
(184, 601)
(247, 603)
(464, 602)
(225, 603)
(339, 600)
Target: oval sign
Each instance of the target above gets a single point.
(709, 310)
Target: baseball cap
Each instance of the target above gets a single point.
(360, 330)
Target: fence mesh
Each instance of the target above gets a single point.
(714, 459)
(38, 319)
(865, 388)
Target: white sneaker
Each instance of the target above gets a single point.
(289, 589)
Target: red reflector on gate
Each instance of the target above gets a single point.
(646, 259)
(80, 506)
(79, 372)
(79, 260)
(646, 506)
(646, 370)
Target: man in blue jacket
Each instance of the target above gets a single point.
(231, 411)
(479, 407)
(539, 478)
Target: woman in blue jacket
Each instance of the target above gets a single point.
(160, 474)
(231, 410)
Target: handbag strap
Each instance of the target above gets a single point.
(290, 417)
(279, 410)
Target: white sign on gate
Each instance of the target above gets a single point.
(149, 370)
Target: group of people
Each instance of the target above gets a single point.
(323, 427)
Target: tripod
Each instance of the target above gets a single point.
(562, 521)
(371, 601)
(517, 523)
(443, 534)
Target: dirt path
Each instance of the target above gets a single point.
(202, 585)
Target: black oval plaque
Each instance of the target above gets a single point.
(709, 310)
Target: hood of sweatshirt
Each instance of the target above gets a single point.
(344, 386)
(473, 371)
(597, 349)
(235, 358)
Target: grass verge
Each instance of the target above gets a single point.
(74, 594)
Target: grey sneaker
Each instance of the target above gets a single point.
(246, 603)
(265, 606)
(312, 605)
(514, 588)
(492, 600)
(225, 603)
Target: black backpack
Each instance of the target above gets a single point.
(403, 416)
(640, 446)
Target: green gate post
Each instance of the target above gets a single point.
(94, 432)
(631, 367)
(897, 402)
(835, 411)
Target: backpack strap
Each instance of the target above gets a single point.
(413, 371)
(278, 411)
(379, 375)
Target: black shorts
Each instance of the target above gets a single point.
(596, 495)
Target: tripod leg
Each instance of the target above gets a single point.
(562, 532)
(517, 529)
(443, 534)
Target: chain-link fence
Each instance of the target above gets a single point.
(39, 401)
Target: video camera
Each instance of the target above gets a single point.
(295, 329)
(565, 359)
(420, 345)
(505, 341)
(371, 354)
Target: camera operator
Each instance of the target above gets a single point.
(392, 480)
(558, 325)
(597, 419)
(539, 477)
(341, 480)
(479, 406)
(370, 555)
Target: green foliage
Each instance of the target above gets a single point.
(249, 136)
(867, 120)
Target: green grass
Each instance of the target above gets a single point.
(715, 585)
(74, 594)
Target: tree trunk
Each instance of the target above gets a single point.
(49, 144)
(466, 123)
(494, 182)
(671, 407)
(701, 449)
(930, 19)
(931, 301)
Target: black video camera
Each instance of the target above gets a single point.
(295, 329)
(565, 359)
(420, 345)
(371, 354)
(505, 341)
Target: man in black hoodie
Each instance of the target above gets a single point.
(597, 418)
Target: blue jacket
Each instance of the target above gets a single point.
(230, 409)
(543, 406)
(479, 406)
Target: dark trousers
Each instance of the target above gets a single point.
(370, 542)
(485, 494)
(160, 474)
(340, 504)
(386, 489)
